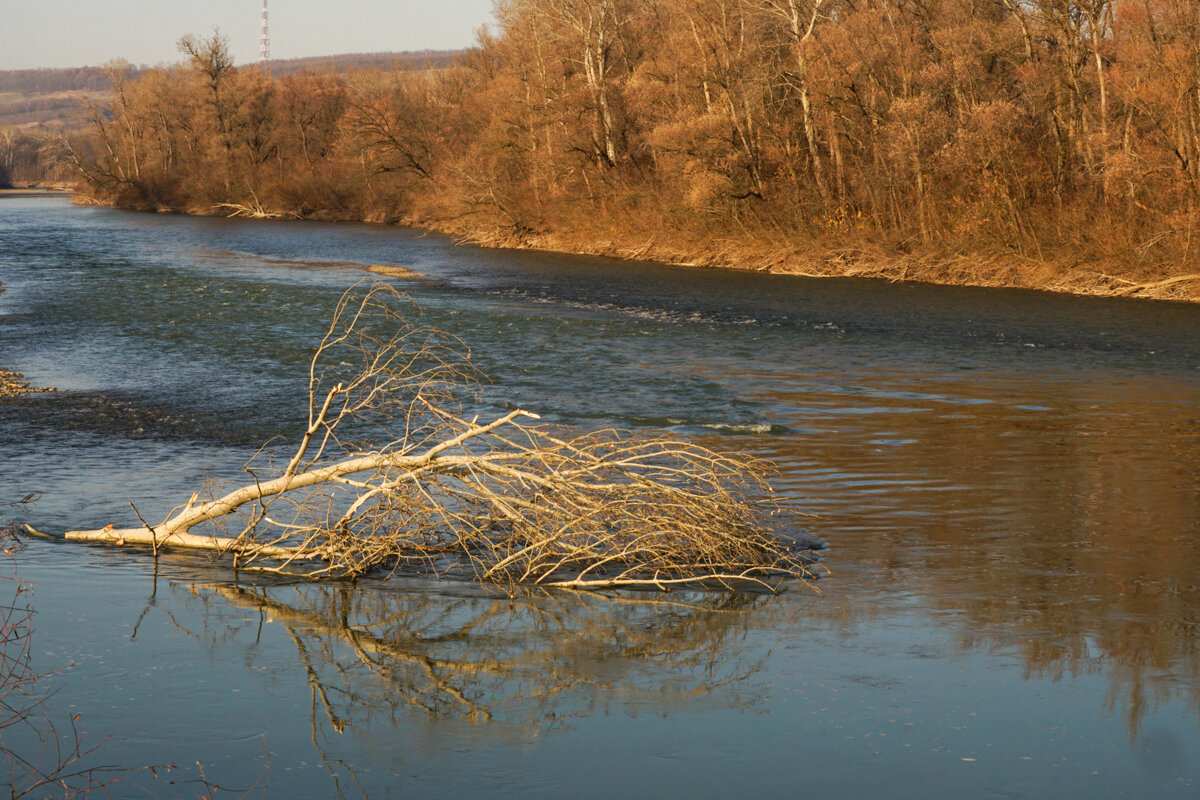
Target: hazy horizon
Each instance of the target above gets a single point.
(63, 34)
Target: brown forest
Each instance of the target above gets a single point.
(33, 157)
(1041, 143)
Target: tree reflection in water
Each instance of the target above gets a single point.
(1141, 637)
(1066, 537)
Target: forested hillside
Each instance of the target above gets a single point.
(1043, 143)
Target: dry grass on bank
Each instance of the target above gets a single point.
(1067, 271)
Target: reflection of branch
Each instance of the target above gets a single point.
(473, 657)
(318, 689)
(149, 603)
(371, 650)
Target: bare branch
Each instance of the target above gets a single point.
(500, 500)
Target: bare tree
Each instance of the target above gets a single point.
(593, 33)
(211, 59)
(389, 472)
(800, 18)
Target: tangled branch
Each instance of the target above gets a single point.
(389, 472)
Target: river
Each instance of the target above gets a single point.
(1007, 482)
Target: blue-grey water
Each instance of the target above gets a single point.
(1007, 482)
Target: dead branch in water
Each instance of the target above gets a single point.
(389, 471)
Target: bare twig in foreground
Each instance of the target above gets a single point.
(44, 758)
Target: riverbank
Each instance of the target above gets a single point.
(776, 254)
(987, 269)
(698, 145)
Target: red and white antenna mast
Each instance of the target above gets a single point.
(264, 41)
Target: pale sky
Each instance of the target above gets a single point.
(75, 33)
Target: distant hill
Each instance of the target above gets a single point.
(57, 110)
(50, 98)
(422, 59)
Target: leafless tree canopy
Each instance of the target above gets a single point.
(1043, 143)
(390, 471)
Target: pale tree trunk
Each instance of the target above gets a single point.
(801, 20)
(1097, 15)
(595, 29)
(721, 40)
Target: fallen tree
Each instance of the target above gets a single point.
(389, 472)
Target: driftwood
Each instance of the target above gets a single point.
(389, 473)
(1147, 287)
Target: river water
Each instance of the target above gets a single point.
(1007, 483)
